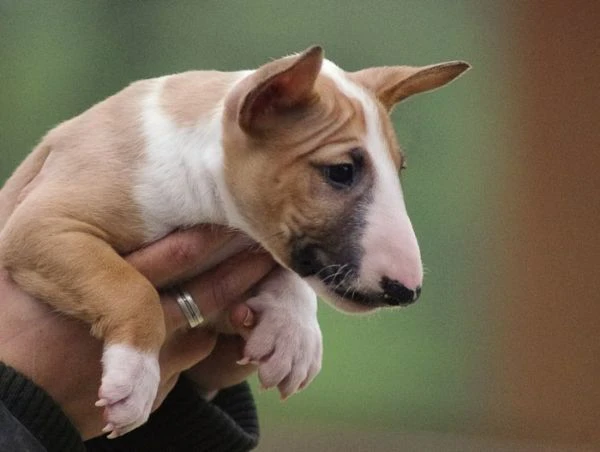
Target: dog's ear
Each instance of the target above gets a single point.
(392, 84)
(278, 87)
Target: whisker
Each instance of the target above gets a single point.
(339, 284)
(426, 270)
(327, 268)
(348, 289)
(345, 276)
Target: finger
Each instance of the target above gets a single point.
(216, 290)
(242, 319)
(230, 281)
(175, 256)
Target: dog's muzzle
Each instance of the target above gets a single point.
(393, 294)
(340, 279)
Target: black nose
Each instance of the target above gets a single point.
(395, 293)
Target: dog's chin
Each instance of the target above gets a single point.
(346, 300)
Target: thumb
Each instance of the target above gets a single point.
(242, 319)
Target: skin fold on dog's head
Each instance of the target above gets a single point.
(317, 146)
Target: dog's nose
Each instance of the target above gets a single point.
(396, 293)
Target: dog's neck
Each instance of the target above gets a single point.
(182, 183)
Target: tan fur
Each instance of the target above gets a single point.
(59, 242)
(330, 125)
(393, 84)
(188, 96)
(393, 147)
(16, 188)
(327, 131)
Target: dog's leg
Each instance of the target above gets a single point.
(65, 263)
(286, 342)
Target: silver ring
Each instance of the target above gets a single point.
(188, 307)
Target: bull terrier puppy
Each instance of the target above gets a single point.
(298, 154)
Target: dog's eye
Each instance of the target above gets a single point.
(341, 175)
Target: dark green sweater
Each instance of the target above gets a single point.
(31, 421)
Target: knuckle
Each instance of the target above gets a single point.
(225, 284)
(181, 252)
(220, 291)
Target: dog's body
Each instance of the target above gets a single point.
(298, 154)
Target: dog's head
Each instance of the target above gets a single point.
(312, 163)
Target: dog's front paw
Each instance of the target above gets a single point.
(286, 344)
(129, 386)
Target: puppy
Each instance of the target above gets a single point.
(298, 154)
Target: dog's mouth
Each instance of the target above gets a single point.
(340, 284)
(348, 296)
(374, 299)
(367, 302)
(343, 289)
(345, 298)
(337, 284)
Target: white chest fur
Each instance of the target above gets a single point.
(180, 182)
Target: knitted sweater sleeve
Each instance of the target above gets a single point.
(187, 422)
(32, 410)
(184, 422)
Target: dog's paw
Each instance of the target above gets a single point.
(286, 344)
(129, 386)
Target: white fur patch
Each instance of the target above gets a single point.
(390, 244)
(181, 181)
(129, 385)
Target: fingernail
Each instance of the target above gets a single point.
(108, 428)
(249, 319)
(244, 361)
(101, 403)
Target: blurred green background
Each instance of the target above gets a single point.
(416, 369)
(421, 369)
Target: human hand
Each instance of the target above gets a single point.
(60, 355)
